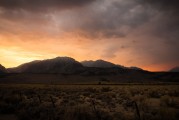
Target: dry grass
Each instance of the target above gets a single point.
(90, 102)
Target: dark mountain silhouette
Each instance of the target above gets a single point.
(2, 69)
(68, 70)
(98, 64)
(56, 65)
(101, 67)
(106, 64)
(69, 66)
(175, 69)
(134, 68)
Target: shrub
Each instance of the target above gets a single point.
(106, 89)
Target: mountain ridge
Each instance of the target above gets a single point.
(2, 69)
(69, 65)
(68, 70)
(98, 63)
(55, 65)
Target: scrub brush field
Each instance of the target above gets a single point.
(89, 102)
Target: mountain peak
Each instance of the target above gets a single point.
(55, 65)
(100, 60)
(63, 59)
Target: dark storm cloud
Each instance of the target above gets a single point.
(110, 19)
(167, 5)
(167, 25)
(32, 15)
(42, 5)
(162, 39)
(169, 17)
(120, 18)
(104, 18)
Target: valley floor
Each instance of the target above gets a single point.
(89, 102)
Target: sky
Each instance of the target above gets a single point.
(142, 33)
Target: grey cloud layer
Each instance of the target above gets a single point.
(114, 18)
(42, 5)
(105, 18)
(167, 5)
(101, 19)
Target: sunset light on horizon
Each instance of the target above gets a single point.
(124, 32)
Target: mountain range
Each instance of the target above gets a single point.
(69, 65)
(64, 70)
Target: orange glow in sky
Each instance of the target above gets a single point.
(125, 32)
